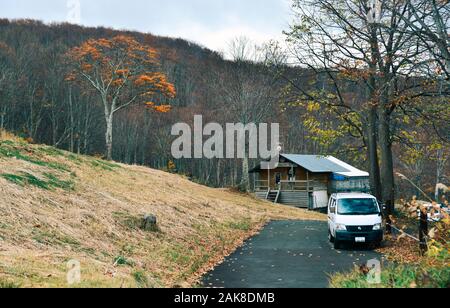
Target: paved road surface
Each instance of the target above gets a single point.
(287, 254)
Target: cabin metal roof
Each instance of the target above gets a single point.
(325, 164)
(315, 163)
(321, 164)
(352, 171)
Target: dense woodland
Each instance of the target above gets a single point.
(320, 107)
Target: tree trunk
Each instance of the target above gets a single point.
(71, 145)
(387, 164)
(109, 136)
(218, 173)
(441, 162)
(86, 132)
(423, 230)
(235, 172)
(245, 183)
(372, 148)
(2, 118)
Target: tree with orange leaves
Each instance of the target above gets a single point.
(123, 72)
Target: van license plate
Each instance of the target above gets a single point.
(360, 240)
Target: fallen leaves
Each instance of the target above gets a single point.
(401, 249)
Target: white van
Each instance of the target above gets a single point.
(354, 218)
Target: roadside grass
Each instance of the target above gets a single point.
(243, 225)
(397, 276)
(406, 269)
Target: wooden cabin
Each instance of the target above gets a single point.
(307, 181)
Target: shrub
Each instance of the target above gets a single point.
(122, 261)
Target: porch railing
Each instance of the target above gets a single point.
(296, 185)
(263, 185)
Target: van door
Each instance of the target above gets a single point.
(332, 216)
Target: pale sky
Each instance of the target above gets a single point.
(211, 23)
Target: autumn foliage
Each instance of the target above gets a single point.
(121, 66)
(123, 72)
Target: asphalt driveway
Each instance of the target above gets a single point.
(287, 254)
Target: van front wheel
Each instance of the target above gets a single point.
(330, 237)
(337, 244)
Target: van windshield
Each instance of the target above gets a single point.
(358, 207)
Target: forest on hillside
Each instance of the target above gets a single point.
(319, 96)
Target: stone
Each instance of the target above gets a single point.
(150, 223)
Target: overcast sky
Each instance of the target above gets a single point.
(212, 23)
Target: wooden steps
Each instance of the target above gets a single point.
(292, 198)
(273, 196)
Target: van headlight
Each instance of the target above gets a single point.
(341, 227)
(377, 227)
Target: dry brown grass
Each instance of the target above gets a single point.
(97, 221)
(5, 135)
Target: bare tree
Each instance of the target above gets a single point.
(248, 91)
(242, 49)
(430, 21)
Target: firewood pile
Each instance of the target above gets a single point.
(435, 211)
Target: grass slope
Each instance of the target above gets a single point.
(56, 206)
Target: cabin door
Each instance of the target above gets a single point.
(278, 176)
(291, 175)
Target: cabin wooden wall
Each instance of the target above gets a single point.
(300, 175)
(263, 175)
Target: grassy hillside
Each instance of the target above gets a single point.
(56, 206)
